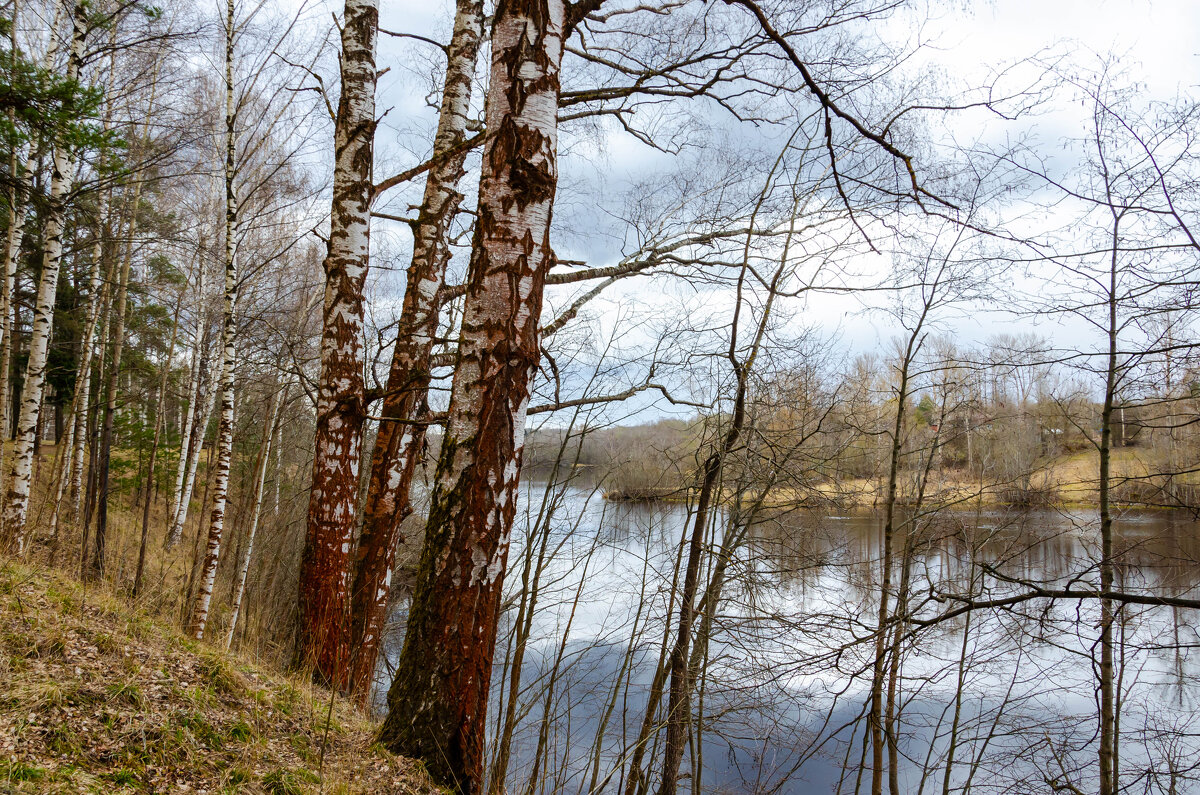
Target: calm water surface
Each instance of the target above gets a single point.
(786, 673)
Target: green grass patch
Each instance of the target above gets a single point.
(16, 771)
(201, 729)
(240, 732)
(123, 778)
(127, 692)
(289, 782)
(221, 675)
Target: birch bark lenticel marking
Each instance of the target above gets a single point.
(333, 499)
(401, 435)
(437, 704)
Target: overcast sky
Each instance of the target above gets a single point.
(1155, 44)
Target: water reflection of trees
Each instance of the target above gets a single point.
(782, 679)
(784, 653)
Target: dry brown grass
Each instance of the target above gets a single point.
(1067, 480)
(99, 696)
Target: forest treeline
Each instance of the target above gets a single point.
(291, 298)
(1008, 426)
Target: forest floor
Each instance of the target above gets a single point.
(97, 696)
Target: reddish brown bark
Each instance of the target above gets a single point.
(401, 435)
(438, 702)
(325, 573)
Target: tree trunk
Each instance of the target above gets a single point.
(16, 506)
(438, 702)
(875, 716)
(68, 460)
(116, 344)
(220, 481)
(92, 432)
(12, 249)
(1108, 719)
(203, 400)
(333, 499)
(159, 412)
(20, 169)
(401, 437)
(199, 432)
(270, 427)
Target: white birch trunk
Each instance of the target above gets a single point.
(220, 487)
(333, 498)
(19, 165)
(16, 507)
(16, 228)
(186, 421)
(398, 444)
(438, 699)
(216, 527)
(191, 422)
(278, 469)
(208, 402)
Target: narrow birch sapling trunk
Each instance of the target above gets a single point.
(333, 499)
(225, 428)
(438, 702)
(270, 427)
(401, 436)
(203, 402)
(187, 420)
(85, 513)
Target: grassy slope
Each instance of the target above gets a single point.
(98, 697)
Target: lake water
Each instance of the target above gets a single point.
(787, 671)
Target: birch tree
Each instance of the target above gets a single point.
(405, 411)
(438, 701)
(16, 504)
(259, 112)
(333, 501)
(225, 427)
(270, 430)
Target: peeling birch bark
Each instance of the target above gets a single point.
(437, 704)
(400, 441)
(333, 499)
